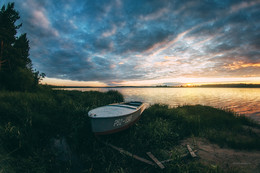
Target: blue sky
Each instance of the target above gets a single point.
(138, 42)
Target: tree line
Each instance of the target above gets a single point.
(16, 69)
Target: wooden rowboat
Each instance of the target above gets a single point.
(115, 117)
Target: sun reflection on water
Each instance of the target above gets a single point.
(240, 100)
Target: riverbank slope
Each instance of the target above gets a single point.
(50, 132)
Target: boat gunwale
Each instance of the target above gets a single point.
(125, 106)
(138, 108)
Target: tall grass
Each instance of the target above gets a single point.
(30, 120)
(161, 129)
(32, 124)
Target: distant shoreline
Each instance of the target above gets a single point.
(165, 86)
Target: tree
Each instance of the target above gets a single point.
(16, 72)
(8, 17)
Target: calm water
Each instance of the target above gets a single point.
(241, 100)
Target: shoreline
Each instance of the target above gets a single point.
(240, 100)
(50, 130)
(180, 86)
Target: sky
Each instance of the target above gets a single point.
(142, 42)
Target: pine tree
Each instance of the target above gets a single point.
(16, 72)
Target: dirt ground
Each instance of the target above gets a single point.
(237, 160)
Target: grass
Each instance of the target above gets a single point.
(36, 127)
(30, 120)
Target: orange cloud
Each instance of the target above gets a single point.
(64, 82)
(116, 83)
(240, 64)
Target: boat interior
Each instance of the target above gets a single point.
(130, 105)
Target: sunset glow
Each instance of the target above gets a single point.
(62, 82)
(170, 82)
(143, 43)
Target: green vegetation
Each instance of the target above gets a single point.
(31, 121)
(16, 70)
(49, 131)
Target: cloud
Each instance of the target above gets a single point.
(110, 33)
(241, 64)
(103, 44)
(35, 18)
(242, 5)
(115, 41)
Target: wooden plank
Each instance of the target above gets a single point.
(191, 152)
(142, 160)
(155, 160)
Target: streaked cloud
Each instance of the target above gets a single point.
(118, 42)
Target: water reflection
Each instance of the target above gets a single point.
(241, 100)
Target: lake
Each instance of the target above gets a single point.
(241, 100)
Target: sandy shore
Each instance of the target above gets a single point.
(212, 154)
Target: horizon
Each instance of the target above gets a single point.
(188, 85)
(152, 83)
(142, 43)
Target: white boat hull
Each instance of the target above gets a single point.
(113, 124)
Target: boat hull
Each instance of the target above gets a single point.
(109, 125)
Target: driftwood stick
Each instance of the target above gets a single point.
(142, 160)
(129, 154)
(155, 160)
(168, 160)
(165, 161)
(191, 152)
(237, 163)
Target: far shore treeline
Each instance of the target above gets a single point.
(16, 69)
(168, 86)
